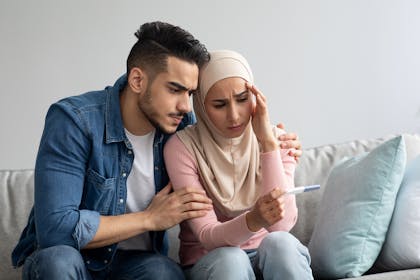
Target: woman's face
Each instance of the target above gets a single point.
(229, 106)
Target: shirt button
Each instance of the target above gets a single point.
(156, 168)
(109, 250)
(124, 174)
(105, 261)
(129, 152)
(121, 200)
(88, 262)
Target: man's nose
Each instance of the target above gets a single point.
(184, 104)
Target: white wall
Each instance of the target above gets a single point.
(333, 70)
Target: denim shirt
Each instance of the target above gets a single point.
(81, 173)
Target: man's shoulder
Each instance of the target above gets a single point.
(85, 101)
(188, 119)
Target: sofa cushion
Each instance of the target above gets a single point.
(16, 199)
(355, 211)
(313, 168)
(401, 248)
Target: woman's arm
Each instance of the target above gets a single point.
(277, 174)
(211, 233)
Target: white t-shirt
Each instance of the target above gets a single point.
(140, 186)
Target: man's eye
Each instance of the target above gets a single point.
(243, 99)
(174, 90)
(218, 106)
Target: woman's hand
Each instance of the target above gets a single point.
(268, 210)
(261, 121)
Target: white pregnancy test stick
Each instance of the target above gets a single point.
(303, 189)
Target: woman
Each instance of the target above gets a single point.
(232, 153)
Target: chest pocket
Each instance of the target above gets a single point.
(99, 193)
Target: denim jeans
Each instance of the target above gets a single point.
(65, 262)
(279, 256)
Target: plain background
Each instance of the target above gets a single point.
(332, 70)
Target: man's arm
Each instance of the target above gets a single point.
(166, 210)
(60, 178)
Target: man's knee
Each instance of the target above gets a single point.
(55, 262)
(161, 267)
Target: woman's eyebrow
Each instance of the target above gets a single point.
(241, 93)
(236, 95)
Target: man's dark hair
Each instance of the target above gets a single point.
(158, 40)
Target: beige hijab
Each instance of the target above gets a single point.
(229, 167)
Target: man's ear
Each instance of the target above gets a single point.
(137, 80)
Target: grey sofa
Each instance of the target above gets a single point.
(16, 198)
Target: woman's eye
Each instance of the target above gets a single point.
(218, 106)
(243, 99)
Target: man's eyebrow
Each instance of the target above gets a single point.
(178, 86)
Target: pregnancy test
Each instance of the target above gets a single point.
(303, 189)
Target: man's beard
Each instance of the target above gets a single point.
(149, 112)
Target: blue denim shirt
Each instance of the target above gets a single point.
(81, 173)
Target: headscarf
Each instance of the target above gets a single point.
(229, 168)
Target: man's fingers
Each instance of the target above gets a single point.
(295, 153)
(166, 190)
(193, 214)
(196, 206)
(288, 136)
(291, 144)
(190, 194)
(280, 125)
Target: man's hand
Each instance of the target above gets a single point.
(290, 141)
(168, 209)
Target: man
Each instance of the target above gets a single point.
(99, 166)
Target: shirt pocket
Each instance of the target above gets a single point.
(99, 192)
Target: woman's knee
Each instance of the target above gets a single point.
(162, 267)
(282, 244)
(223, 263)
(227, 254)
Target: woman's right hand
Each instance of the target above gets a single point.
(261, 121)
(268, 210)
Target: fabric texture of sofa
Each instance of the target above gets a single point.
(16, 198)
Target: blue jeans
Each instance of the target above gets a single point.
(65, 262)
(279, 256)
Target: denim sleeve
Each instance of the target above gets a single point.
(188, 119)
(59, 181)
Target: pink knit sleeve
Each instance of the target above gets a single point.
(211, 233)
(278, 170)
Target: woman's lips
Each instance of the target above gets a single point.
(235, 127)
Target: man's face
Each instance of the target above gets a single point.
(167, 97)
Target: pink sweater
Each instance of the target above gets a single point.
(200, 235)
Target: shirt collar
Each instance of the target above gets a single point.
(113, 120)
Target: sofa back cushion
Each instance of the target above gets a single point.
(315, 165)
(16, 199)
